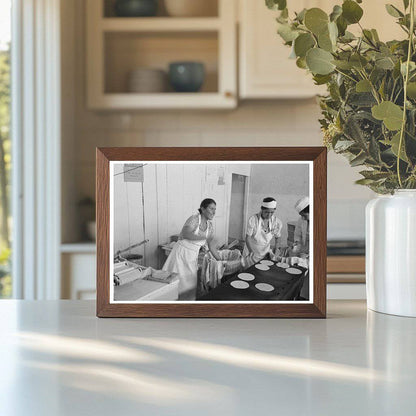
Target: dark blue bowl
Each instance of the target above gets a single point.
(135, 8)
(186, 76)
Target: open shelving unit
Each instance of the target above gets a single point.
(118, 45)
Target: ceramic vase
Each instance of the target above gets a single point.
(391, 253)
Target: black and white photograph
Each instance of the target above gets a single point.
(211, 231)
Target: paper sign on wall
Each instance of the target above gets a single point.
(221, 176)
(133, 172)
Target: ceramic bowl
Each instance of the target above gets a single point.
(135, 8)
(186, 76)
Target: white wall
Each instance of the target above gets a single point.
(172, 193)
(128, 212)
(285, 183)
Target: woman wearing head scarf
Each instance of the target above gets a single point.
(301, 244)
(262, 228)
(183, 258)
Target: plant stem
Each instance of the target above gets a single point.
(345, 75)
(406, 79)
(373, 90)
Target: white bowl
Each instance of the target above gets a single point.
(147, 80)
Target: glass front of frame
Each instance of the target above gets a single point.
(211, 232)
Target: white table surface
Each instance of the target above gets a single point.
(57, 358)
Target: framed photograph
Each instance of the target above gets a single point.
(211, 232)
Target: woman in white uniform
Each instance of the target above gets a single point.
(183, 259)
(261, 230)
(301, 244)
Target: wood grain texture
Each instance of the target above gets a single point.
(211, 310)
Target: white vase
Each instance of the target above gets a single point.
(391, 253)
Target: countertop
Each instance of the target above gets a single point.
(57, 358)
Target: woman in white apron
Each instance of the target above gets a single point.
(183, 258)
(261, 230)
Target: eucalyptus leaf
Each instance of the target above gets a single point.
(396, 71)
(321, 79)
(284, 14)
(375, 35)
(368, 35)
(374, 150)
(361, 99)
(393, 11)
(412, 67)
(358, 160)
(333, 32)
(286, 32)
(374, 175)
(336, 12)
(300, 17)
(343, 145)
(406, 4)
(319, 61)
(364, 181)
(325, 42)
(303, 43)
(348, 37)
(301, 63)
(391, 114)
(343, 65)
(358, 61)
(342, 25)
(411, 90)
(363, 86)
(316, 20)
(276, 4)
(385, 63)
(351, 11)
(394, 145)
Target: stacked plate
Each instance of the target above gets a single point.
(147, 80)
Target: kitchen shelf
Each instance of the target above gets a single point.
(159, 24)
(116, 46)
(80, 247)
(165, 101)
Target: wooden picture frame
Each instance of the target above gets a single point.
(317, 159)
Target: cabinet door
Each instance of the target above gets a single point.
(265, 68)
(118, 46)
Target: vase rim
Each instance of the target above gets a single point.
(405, 191)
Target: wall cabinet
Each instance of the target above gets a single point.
(118, 45)
(265, 70)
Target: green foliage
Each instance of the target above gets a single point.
(4, 88)
(369, 112)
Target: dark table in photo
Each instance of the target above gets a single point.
(286, 286)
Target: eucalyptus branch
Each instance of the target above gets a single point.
(392, 90)
(397, 95)
(346, 75)
(406, 79)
